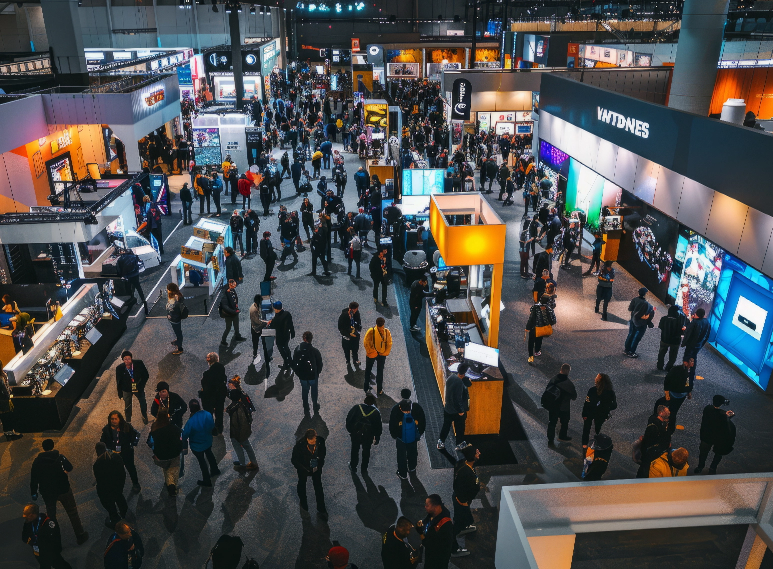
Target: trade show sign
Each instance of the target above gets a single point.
(461, 100)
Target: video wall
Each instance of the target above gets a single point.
(588, 191)
(695, 274)
(423, 182)
(742, 319)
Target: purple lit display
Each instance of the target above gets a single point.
(552, 155)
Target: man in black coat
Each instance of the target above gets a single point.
(656, 440)
(416, 300)
(407, 424)
(282, 322)
(466, 488)
(363, 423)
(437, 533)
(308, 459)
(173, 403)
(233, 267)
(350, 327)
(42, 534)
(695, 337)
(542, 261)
(307, 365)
(396, 553)
(131, 377)
(110, 476)
(268, 254)
(128, 266)
(677, 387)
(214, 390)
(379, 274)
(318, 244)
(718, 431)
(562, 408)
(229, 311)
(670, 327)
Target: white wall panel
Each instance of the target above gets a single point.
(625, 169)
(646, 179)
(726, 222)
(695, 205)
(558, 127)
(545, 126)
(755, 237)
(570, 141)
(606, 158)
(589, 144)
(668, 192)
(767, 264)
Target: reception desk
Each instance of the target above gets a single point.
(485, 393)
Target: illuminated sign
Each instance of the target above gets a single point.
(376, 114)
(634, 126)
(62, 142)
(155, 97)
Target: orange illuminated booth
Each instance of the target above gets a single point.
(471, 240)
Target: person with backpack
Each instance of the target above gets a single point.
(670, 464)
(125, 549)
(176, 312)
(378, 344)
(307, 365)
(308, 458)
(217, 190)
(128, 266)
(363, 423)
(642, 315)
(165, 442)
(599, 402)
(407, 424)
(539, 325)
(240, 429)
(457, 403)
(717, 431)
(558, 395)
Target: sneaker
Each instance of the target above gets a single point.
(531, 360)
(177, 352)
(414, 328)
(538, 353)
(461, 552)
(440, 445)
(461, 445)
(252, 466)
(633, 355)
(400, 476)
(468, 529)
(565, 439)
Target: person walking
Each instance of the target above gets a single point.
(599, 402)
(175, 312)
(670, 464)
(416, 300)
(655, 441)
(396, 552)
(354, 252)
(214, 391)
(540, 324)
(671, 330)
(319, 243)
(165, 441)
(131, 377)
(229, 310)
(240, 429)
(269, 256)
(378, 344)
(251, 227)
(466, 487)
(128, 267)
(595, 261)
(308, 458)
(186, 199)
(437, 533)
(217, 190)
(237, 230)
(407, 424)
(198, 430)
(154, 226)
(378, 274)
(121, 438)
(282, 322)
(307, 217)
(171, 402)
(257, 325)
(244, 187)
(363, 423)
(110, 478)
(642, 314)
(233, 266)
(717, 431)
(677, 387)
(42, 534)
(695, 337)
(606, 278)
(6, 408)
(265, 197)
(307, 365)
(350, 328)
(457, 403)
(49, 476)
(124, 549)
(561, 408)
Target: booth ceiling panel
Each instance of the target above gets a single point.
(726, 222)
(606, 158)
(755, 239)
(695, 205)
(589, 145)
(545, 125)
(557, 129)
(625, 169)
(646, 179)
(668, 192)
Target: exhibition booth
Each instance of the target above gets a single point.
(692, 230)
(258, 61)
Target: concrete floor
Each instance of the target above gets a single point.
(263, 509)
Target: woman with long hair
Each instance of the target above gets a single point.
(165, 442)
(174, 313)
(121, 438)
(599, 402)
(541, 316)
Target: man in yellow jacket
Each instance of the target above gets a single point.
(378, 344)
(670, 464)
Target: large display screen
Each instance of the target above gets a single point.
(423, 182)
(695, 274)
(206, 142)
(648, 246)
(742, 319)
(584, 191)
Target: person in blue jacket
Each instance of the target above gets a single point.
(125, 549)
(198, 431)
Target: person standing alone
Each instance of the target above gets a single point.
(308, 458)
(131, 377)
(407, 423)
(642, 314)
(350, 327)
(378, 345)
(606, 277)
(561, 406)
(363, 423)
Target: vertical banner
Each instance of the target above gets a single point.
(355, 44)
(461, 100)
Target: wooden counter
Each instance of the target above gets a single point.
(485, 412)
(383, 171)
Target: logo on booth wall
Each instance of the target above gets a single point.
(461, 99)
(155, 97)
(634, 126)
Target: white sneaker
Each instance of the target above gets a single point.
(461, 552)
(468, 529)
(440, 445)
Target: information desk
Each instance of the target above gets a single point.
(485, 393)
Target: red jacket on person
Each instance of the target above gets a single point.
(243, 185)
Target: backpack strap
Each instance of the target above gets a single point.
(363, 412)
(441, 523)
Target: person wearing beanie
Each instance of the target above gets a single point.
(268, 254)
(308, 458)
(466, 487)
(717, 432)
(110, 476)
(172, 402)
(49, 476)
(642, 316)
(457, 403)
(338, 558)
(363, 423)
(198, 431)
(282, 322)
(670, 464)
(407, 423)
(165, 442)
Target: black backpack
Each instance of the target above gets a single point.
(363, 429)
(184, 312)
(551, 397)
(227, 552)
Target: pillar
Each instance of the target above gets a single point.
(65, 38)
(281, 15)
(752, 551)
(697, 55)
(236, 56)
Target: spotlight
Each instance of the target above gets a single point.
(338, 7)
(228, 8)
(359, 6)
(300, 6)
(312, 7)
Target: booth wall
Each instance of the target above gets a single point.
(752, 84)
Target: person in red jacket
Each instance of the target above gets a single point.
(245, 187)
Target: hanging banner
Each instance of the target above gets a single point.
(461, 100)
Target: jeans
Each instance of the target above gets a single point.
(703, 451)
(415, 311)
(553, 417)
(240, 448)
(252, 242)
(284, 351)
(238, 237)
(635, 334)
(115, 504)
(673, 351)
(216, 198)
(354, 458)
(187, 213)
(379, 361)
(206, 473)
(127, 405)
(177, 328)
(351, 349)
(356, 260)
(586, 425)
(458, 421)
(535, 343)
(383, 284)
(171, 469)
(316, 480)
(231, 321)
(525, 263)
(407, 456)
(603, 294)
(326, 161)
(306, 386)
(70, 507)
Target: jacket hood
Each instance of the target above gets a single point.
(673, 311)
(49, 456)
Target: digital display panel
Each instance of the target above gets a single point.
(694, 278)
(552, 155)
(423, 182)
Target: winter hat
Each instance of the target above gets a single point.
(643, 290)
(278, 305)
(338, 556)
(719, 400)
(162, 385)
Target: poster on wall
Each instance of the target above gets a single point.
(376, 114)
(59, 170)
(648, 247)
(403, 70)
(697, 267)
(584, 189)
(206, 142)
(505, 128)
(484, 121)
